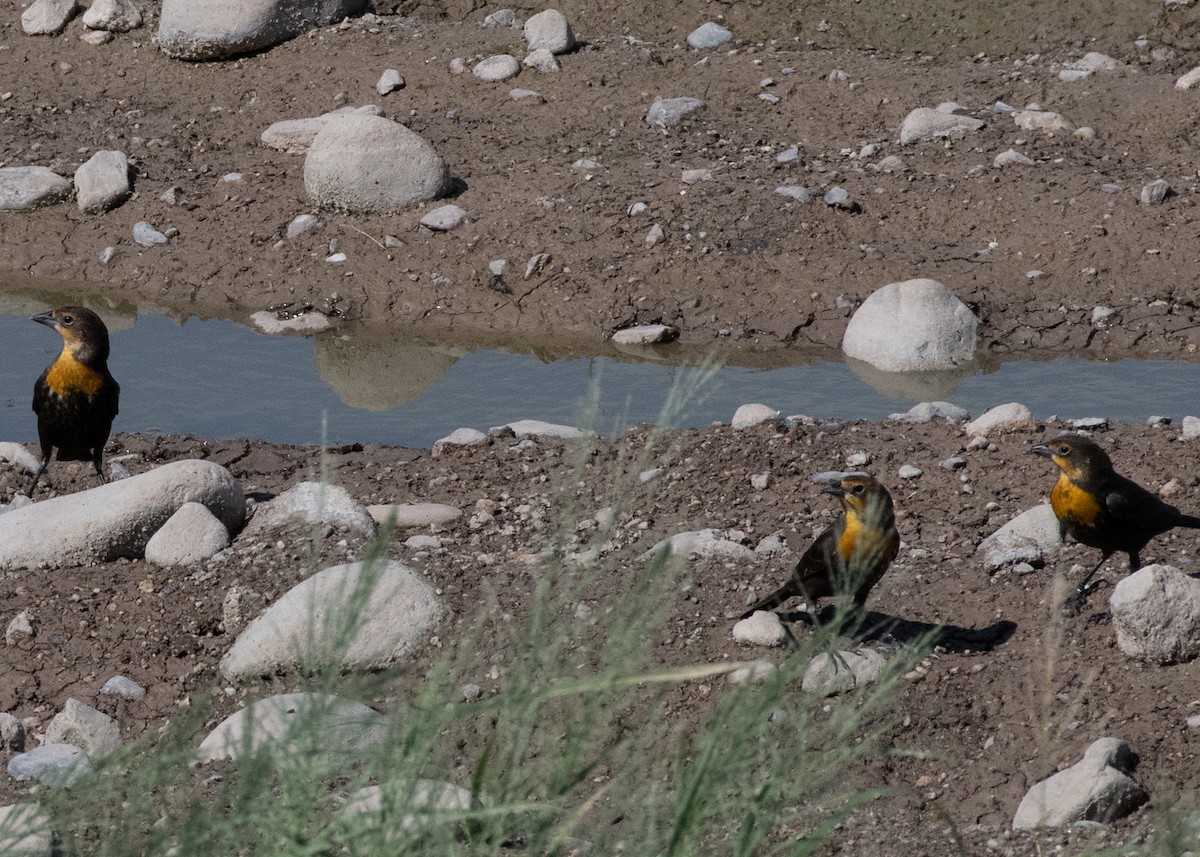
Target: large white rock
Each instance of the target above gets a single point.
(1007, 417)
(912, 325)
(90, 730)
(115, 16)
(311, 503)
(550, 31)
(115, 520)
(309, 622)
(191, 535)
(25, 831)
(1156, 614)
(1097, 788)
(925, 123)
(215, 29)
(48, 17)
(1026, 538)
(296, 135)
(371, 165)
(296, 722)
(103, 181)
(27, 188)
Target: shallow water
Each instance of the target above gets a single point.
(220, 379)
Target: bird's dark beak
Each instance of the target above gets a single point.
(46, 318)
(1042, 450)
(834, 488)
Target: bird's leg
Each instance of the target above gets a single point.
(37, 476)
(96, 463)
(1074, 602)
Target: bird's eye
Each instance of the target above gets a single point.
(858, 489)
(1064, 450)
(68, 320)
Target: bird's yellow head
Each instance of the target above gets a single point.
(863, 497)
(1078, 457)
(84, 335)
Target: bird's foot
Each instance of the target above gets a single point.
(1073, 604)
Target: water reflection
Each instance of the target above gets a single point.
(220, 379)
(377, 372)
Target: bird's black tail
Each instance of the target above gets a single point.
(1189, 521)
(773, 600)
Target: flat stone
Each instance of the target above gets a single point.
(444, 218)
(53, 765)
(29, 188)
(539, 428)
(308, 623)
(345, 728)
(925, 123)
(669, 112)
(644, 334)
(796, 193)
(416, 514)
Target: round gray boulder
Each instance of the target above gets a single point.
(372, 165)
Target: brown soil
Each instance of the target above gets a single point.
(995, 713)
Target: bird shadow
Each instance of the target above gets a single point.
(880, 627)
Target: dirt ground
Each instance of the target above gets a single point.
(1013, 692)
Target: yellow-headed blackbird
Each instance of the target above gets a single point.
(75, 399)
(1098, 507)
(849, 557)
